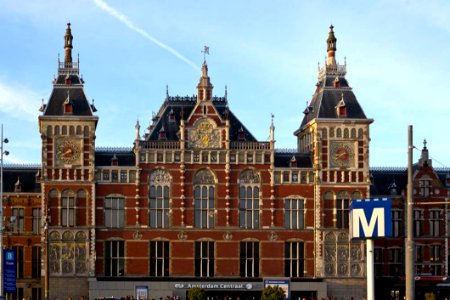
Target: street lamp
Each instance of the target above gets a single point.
(2, 152)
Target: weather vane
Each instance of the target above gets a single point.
(205, 51)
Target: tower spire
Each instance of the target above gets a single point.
(331, 47)
(204, 87)
(68, 47)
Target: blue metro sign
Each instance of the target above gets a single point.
(370, 218)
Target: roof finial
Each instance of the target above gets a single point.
(68, 47)
(331, 47)
(226, 92)
(167, 91)
(424, 144)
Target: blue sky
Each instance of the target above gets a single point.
(265, 52)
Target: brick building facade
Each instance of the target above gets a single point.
(197, 200)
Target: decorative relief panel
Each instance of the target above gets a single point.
(68, 253)
(160, 177)
(204, 176)
(204, 135)
(249, 176)
(343, 258)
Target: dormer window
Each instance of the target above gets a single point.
(293, 162)
(18, 186)
(241, 134)
(162, 134)
(68, 80)
(341, 107)
(114, 160)
(68, 107)
(171, 116)
(336, 82)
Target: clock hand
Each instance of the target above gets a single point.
(339, 155)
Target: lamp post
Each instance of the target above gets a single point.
(2, 152)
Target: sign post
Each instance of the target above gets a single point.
(369, 219)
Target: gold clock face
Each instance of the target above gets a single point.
(342, 155)
(68, 151)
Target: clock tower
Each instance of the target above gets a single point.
(335, 132)
(67, 126)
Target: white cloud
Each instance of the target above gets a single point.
(18, 102)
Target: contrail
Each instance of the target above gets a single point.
(124, 19)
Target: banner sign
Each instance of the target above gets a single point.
(9, 270)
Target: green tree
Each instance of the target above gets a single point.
(273, 293)
(197, 293)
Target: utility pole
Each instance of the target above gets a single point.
(409, 255)
(2, 152)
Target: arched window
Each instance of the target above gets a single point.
(68, 208)
(114, 211)
(159, 198)
(204, 258)
(204, 198)
(342, 204)
(249, 183)
(294, 212)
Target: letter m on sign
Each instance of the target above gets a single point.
(370, 218)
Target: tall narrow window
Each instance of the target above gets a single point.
(159, 199)
(342, 216)
(294, 261)
(249, 182)
(20, 261)
(36, 262)
(294, 213)
(435, 253)
(67, 209)
(204, 194)
(36, 220)
(17, 219)
(159, 258)
(378, 261)
(435, 223)
(418, 222)
(114, 258)
(425, 187)
(397, 223)
(249, 259)
(204, 259)
(114, 212)
(395, 261)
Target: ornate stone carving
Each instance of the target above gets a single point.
(182, 235)
(137, 235)
(227, 236)
(204, 135)
(249, 176)
(160, 177)
(204, 177)
(273, 236)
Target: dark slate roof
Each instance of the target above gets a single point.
(55, 106)
(183, 106)
(283, 159)
(25, 174)
(326, 98)
(104, 156)
(383, 178)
